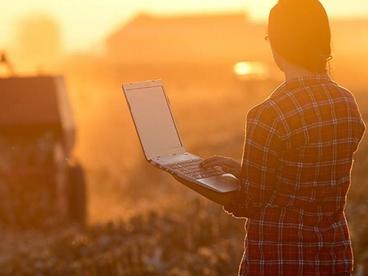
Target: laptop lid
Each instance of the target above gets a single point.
(153, 119)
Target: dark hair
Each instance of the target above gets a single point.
(299, 31)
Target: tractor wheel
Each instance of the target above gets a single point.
(77, 196)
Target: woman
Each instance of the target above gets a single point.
(298, 153)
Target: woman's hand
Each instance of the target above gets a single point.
(227, 164)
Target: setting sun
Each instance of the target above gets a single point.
(247, 69)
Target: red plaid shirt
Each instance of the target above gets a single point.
(296, 168)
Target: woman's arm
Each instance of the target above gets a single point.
(263, 148)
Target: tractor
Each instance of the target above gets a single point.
(42, 184)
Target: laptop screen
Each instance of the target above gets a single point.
(153, 120)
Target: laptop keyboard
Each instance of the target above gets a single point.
(193, 169)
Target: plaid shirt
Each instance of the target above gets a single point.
(296, 168)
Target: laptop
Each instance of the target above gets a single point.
(161, 143)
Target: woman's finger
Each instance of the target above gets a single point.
(213, 164)
(210, 160)
(218, 161)
(213, 158)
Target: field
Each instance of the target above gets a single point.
(141, 221)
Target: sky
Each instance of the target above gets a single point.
(85, 23)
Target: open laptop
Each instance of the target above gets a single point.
(161, 143)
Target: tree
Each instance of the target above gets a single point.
(37, 43)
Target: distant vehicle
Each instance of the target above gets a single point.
(41, 183)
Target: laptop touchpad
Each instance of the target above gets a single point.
(223, 183)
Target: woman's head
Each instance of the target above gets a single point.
(299, 32)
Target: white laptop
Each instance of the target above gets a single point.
(160, 140)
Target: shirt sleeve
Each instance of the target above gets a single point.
(263, 148)
(359, 127)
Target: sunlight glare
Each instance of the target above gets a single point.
(250, 69)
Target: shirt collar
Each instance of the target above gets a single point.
(304, 81)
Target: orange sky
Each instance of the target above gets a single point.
(86, 22)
